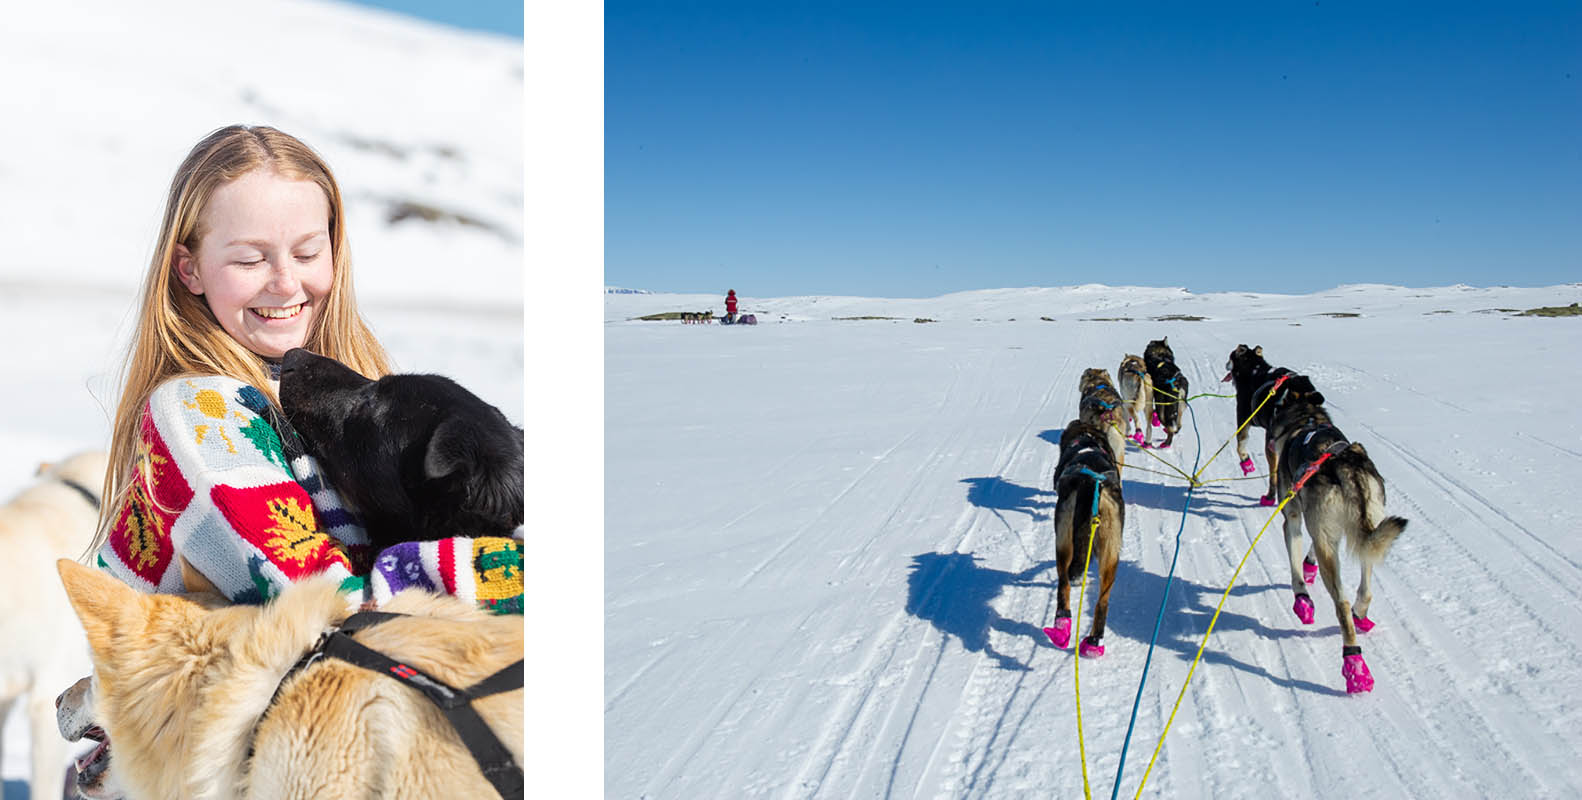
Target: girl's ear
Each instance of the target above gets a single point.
(187, 269)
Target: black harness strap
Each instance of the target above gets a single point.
(494, 760)
(88, 495)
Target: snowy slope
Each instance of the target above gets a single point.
(103, 99)
(829, 550)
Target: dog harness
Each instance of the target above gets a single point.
(496, 763)
(93, 499)
(1081, 461)
(1311, 446)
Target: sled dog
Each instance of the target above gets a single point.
(1137, 397)
(1255, 379)
(1170, 386)
(1342, 501)
(189, 692)
(1100, 405)
(418, 456)
(40, 648)
(1084, 453)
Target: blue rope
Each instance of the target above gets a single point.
(1162, 600)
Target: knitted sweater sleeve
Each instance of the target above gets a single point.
(220, 494)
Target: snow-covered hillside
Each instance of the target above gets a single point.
(103, 99)
(829, 551)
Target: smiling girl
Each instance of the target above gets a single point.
(252, 261)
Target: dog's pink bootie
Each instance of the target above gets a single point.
(1247, 467)
(1089, 649)
(1157, 423)
(1137, 436)
(1266, 501)
(1304, 609)
(1363, 624)
(1310, 574)
(1358, 678)
(1061, 633)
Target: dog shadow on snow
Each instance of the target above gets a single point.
(16, 789)
(998, 494)
(953, 593)
(1134, 605)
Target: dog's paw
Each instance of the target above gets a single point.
(1310, 574)
(1156, 421)
(1266, 501)
(1060, 634)
(1137, 436)
(1090, 648)
(1304, 609)
(1363, 624)
(1358, 678)
(1247, 467)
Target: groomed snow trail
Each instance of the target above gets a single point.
(829, 553)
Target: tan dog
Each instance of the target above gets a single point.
(182, 684)
(40, 649)
(1100, 406)
(1137, 397)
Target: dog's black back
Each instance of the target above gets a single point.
(1160, 361)
(1084, 446)
(418, 456)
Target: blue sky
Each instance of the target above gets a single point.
(915, 149)
(494, 16)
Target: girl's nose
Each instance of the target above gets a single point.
(283, 280)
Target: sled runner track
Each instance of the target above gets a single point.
(888, 698)
(1566, 450)
(1444, 574)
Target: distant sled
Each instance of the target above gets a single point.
(745, 319)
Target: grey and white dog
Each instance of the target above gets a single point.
(1137, 397)
(1342, 500)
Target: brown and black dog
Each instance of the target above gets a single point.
(1087, 466)
(1100, 405)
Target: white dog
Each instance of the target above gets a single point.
(41, 644)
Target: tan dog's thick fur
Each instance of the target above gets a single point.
(1100, 405)
(181, 682)
(1137, 396)
(40, 649)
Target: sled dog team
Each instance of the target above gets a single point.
(1339, 494)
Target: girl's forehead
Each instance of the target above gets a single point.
(262, 204)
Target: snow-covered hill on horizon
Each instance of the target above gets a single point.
(421, 123)
(829, 549)
(1098, 302)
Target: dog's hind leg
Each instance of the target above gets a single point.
(1352, 666)
(1110, 542)
(1303, 605)
(1060, 632)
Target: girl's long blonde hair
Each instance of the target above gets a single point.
(177, 334)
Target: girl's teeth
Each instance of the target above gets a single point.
(278, 313)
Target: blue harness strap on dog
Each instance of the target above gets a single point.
(494, 761)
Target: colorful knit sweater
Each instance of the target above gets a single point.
(222, 494)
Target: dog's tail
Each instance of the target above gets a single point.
(1376, 533)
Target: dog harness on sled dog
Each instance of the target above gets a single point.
(1311, 446)
(456, 704)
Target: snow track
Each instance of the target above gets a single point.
(828, 580)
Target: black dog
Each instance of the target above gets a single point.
(418, 456)
(1170, 386)
(1255, 382)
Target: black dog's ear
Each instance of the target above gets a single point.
(450, 449)
(1316, 398)
(1258, 351)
